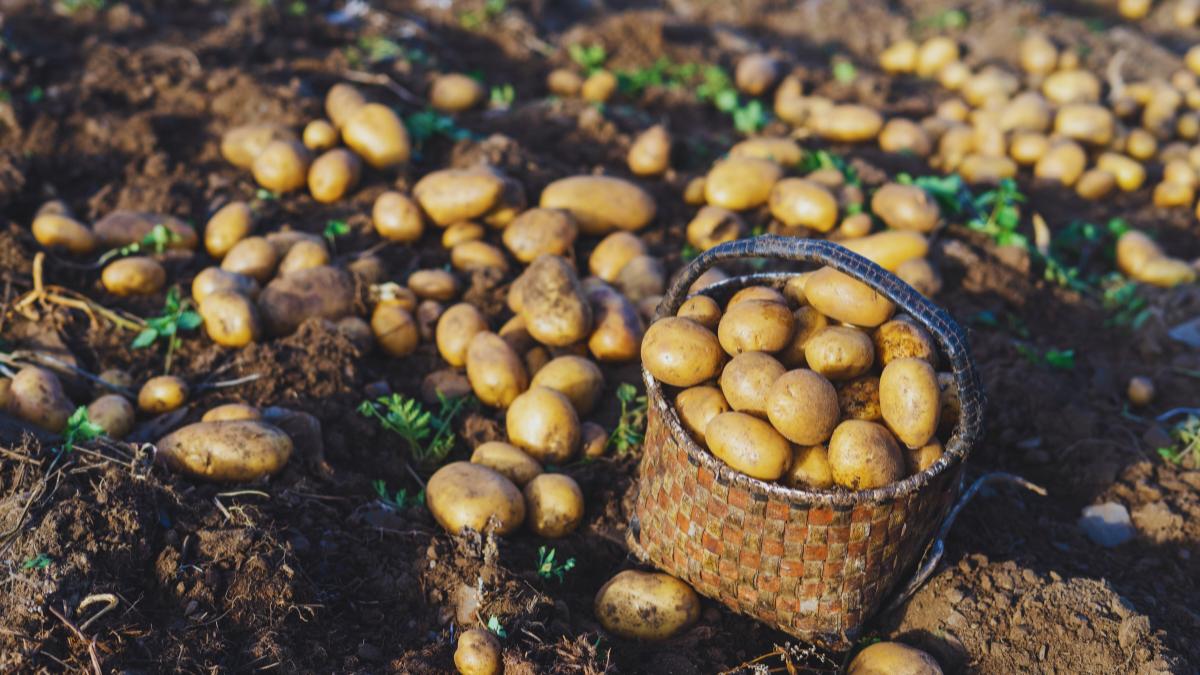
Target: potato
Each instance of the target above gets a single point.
(455, 92)
(854, 226)
(240, 146)
(858, 398)
(465, 495)
(575, 377)
(905, 207)
(213, 279)
(893, 658)
(282, 166)
(121, 228)
(601, 204)
(563, 82)
(649, 606)
(341, 102)
(510, 461)
(319, 135)
(746, 380)
(1066, 87)
(230, 319)
(701, 309)
(904, 338)
(1037, 54)
(304, 255)
(115, 377)
(890, 249)
(803, 406)
(681, 352)
(809, 469)
(334, 174)
(1095, 184)
(741, 183)
(650, 154)
(541, 231)
(555, 505)
(496, 373)
(807, 322)
(899, 57)
(783, 151)
(693, 192)
(618, 330)
(1133, 9)
(934, 54)
(614, 252)
(642, 278)
(229, 225)
(1140, 391)
(977, 168)
(433, 284)
(920, 459)
(844, 298)
(714, 225)
(593, 441)
(36, 396)
(455, 328)
(848, 123)
(748, 445)
(461, 233)
(397, 218)
(839, 352)
(478, 652)
(921, 275)
(697, 406)
(799, 202)
(755, 293)
(395, 329)
(905, 136)
(536, 359)
(477, 255)
(756, 325)
(543, 422)
(322, 292)
(756, 73)
(1063, 161)
(284, 239)
(112, 413)
(162, 394)
(135, 275)
(1140, 258)
(234, 451)
(232, 411)
(1027, 147)
(54, 230)
(253, 257)
(377, 135)
(1129, 173)
(549, 298)
(450, 195)
(864, 455)
(708, 278)
(598, 87)
(909, 399)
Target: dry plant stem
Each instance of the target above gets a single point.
(42, 294)
(381, 80)
(79, 634)
(229, 383)
(108, 598)
(45, 359)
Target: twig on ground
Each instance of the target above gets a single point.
(91, 644)
(381, 80)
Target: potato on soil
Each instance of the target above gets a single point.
(741, 183)
(543, 422)
(477, 255)
(756, 326)
(1064, 162)
(322, 292)
(810, 469)
(650, 153)
(803, 406)
(893, 658)
(232, 411)
(496, 373)
(397, 218)
(593, 441)
(395, 329)
(455, 328)
(858, 398)
(748, 445)
(575, 377)
(554, 505)
(697, 406)
(900, 135)
(800, 202)
(377, 135)
(282, 166)
(899, 57)
(864, 455)
(433, 284)
(848, 123)
(135, 275)
(746, 380)
(549, 298)
(450, 195)
(229, 225)
(598, 87)
(254, 257)
(539, 232)
(122, 227)
(563, 82)
(839, 352)
(904, 338)
(1140, 391)
(807, 322)
(462, 232)
(230, 319)
(714, 225)
(782, 151)
(509, 460)
(114, 414)
(303, 255)
(240, 146)
(910, 400)
(613, 253)
(455, 92)
(844, 298)
(641, 278)
(681, 352)
(36, 396)
(617, 329)
(54, 230)
(478, 653)
(213, 279)
(934, 54)
(333, 175)
(465, 495)
(756, 73)
(115, 377)
(162, 394)
(319, 135)
(235, 451)
(701, 309)
(1140, 258)
(646, 605)
(601, 204)
(357, 331)
(905, 207)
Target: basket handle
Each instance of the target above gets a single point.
(935, 319)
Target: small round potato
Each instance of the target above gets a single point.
(477, 255)
(748, 445)
(235, 451)
(864, 455)
(916, 461)
(844, 298)
(601, 204)
(36, 396)
(303, 255)
(650, 154)
(282, 166)
(114, 414)
(693, 192)
(909, 399)
(934, 54)
(377, 135)
(756, 73)
(893, 658)
(701, 309)
(135, 275)
(455, 92)
(803, 406)
(800, 202)
(230, 319)
(555, 505)
(899, 57)
(241, 145)
(848, 123)
(681, 352)
(697, 406)
(462, 232)
(858, 399)
(840, 352)
(905, 207)
(810, 468)
(333, 175)
(646, 605)
(1128, 172)
(614, 252)
(455, 328)
(162, 394)
(254, 257)
(478, 652)
(1064, 162)
(598, 87)
(397, 218)
(213, 279)
(433, 284)
(756, 326)
(56, 230)
(496, 373)
(543, 422)
(563, 82)
(512, 462)
(747, 379)
(782, 151)
(116, 377)
(541, 231)
(901, 135)
(904, 338)
(575, 377)
(1037, 54)
(756, 293)
(1140, 391)
(232, 411)
(465, 495)
(741, 183)
(807, 321)
(229, 225)
(714, 225)
(319, 135)
(594, 440)
(395, 329)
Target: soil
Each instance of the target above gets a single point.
(121, 105)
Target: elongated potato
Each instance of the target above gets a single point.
(36, 396)
(213, 279)
(800, 202)
(465, 495)
(783, 151)
(540, 231)
(646, 605)
(864, 455)
(904, 338)
(748, 445)
(905, 207)
(697, 406)
(575, 377)
(135, 275)
(377, 135)
(741, 183)
(232, 411)
(282, 166)
(452, 195)
(555, 505)
(240, 146)
(229, 225)
(601, 204)
(618, 329)
(844, 298)
(890, 249)
(303, 255)
(543, 422)
(55, 230)
(681, 352)
(909, 399)
(455, 92)
(650, 153)
(803, 406)
(614, 252)
(254, 257)
(397, 218)
(333, 175)
(496, 373)
(235, 451)
(455, 328)
(512, 462)
(549, 298)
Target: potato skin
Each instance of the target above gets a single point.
(324, 292)
(839, 352)
(810, 468)
(478, 653)
(803, 406)
(864, 455)
(232, 411)
(452, 195)
(213, 279)
(575, 377)
(62, 231)
(909, 399)
(497, 375)
(395, 329)
(697, 406)
(465, 495)
(618, 329)
(543, 423)
(36, 396)
(229, 225)
(282, 166)
(904, 338)
(755, 326)
(254, 257)
(235, 451)
(748, 445)
(858, 398)
(540, 231)
(555, 505)
(614, 252)
(891, 248)
(893, 658)
(230, 319)
(646, 605)
(741, 183)
(681, 352)
(808, 322)
(701, 309)
(549, 297)
(747, 380)
(135, 275)
(162, 394)
(905, 207)
(333, 174)
(601, 204)
(510, 461)
(397, 218)
(113, 413)
(800, 202)
(377, 135)
(844, 298)
(455, 328)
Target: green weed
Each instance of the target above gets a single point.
(430, 437)
(631, 427)
(398, 500)
(589, 57)
(1186, 435)
(176, 315)
(80, 429)
(546, 567)
(38, 562)
(155, 241)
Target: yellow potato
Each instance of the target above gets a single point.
(455, 92)
(461, 233)
(803, 406)
(746, 380)
(613, 253)
(863, 455)
(510, 461)
(114, 414)
(756, 73)
(395, 329)
(977, 168)
(333, 175)
(714, 225)
(162, 394)
(617, 328)
(1129, 173)
(496, 373)
(1063, 162)
(905, 207)
(740, 183)
(121, 228)
(810, 469)
(641, 278)
(756, 326)
(921, 275)
(855, 226)
(748, 445)
(235, 451)
(1065, 87)
(135, 275)
(282, 166)
(452, 195)
(54, 230)
(563, 82)
(807, 322)
(693, 192)
(477, 255)
(904, 338)
(920, 459)
(36, 396)
(397, 218)
(341, 102)
(555, 505)
(650, 154)
(1095, 184)
(465, 495)
(598, 87)
(240, 146)
(890, 249)
(934, 54)
(377, 135)
(799, 202)
(1037, 54)
(1140, 391)
(601, 204)
(1027, 147)
(844, 298)
(839, 352)
(304, 255)
(708, 278)
(593, 441)
(783, 151)
(899, 57)
(909, 399)
(455, 328)
(253, 257)
(848, 123)
(858, 398)
(542, 422)
(905, 136)
(230, 319)
(541, 231)
(647, 606)
(575, 377)
(681, 352)
(1171, 194)
(433, 284)
(229, 225)
(213, 279)
(697, 406)
(893, 658)
(321, 292)
(319, 135)
(549, 298)
(701, 309)
(478, 652)
(232, 411)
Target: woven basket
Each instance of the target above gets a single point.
(814, 564)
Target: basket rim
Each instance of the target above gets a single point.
(955, 449)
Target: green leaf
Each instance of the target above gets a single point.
(145, 338)
(189, 320)
(844, 71)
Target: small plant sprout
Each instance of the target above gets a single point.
(1186, 435)
(844, 70)
(265, 195)
(502, 96)
(497, 629)
(430, 437)
(631, 428)
(547, 568)
(424, 125)
(38, 562)
(333, 230)
(156, 240)
(717, 87)
(176, 315)
(478, 18)
(823, 159)
(400, 499)
(1059, 359)
(80, 429)
(589, 57)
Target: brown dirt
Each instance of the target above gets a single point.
(122, 107)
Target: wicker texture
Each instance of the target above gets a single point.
(814, 564)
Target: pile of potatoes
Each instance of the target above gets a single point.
(816, 385)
